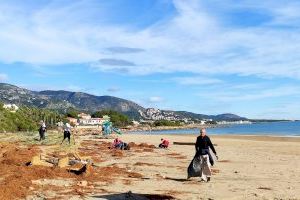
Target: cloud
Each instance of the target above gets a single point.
(3, 77)
(228, 95)
(113, 89)
(194, 39)
(124, 50)
(197, 80)
(155, 99)
(115, 62)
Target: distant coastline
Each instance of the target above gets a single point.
(279, 128)
(158, 128)
(195, 126)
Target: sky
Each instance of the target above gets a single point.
(208, 57)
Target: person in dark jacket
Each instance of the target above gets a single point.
(42, 130)
(203, 144)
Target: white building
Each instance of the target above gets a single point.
(91, 121)
(235, 122)
(84, 116)
(11, 107)
(96, 121)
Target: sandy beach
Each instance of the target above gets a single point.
(249, 167)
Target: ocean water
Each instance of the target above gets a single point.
(266, 128)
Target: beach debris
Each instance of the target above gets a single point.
(63, 162)
(224, 161)
(130, 195)
(80, 169)
(264, 188)
(37, 161)
(72, 162)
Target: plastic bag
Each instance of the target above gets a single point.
(194, 169)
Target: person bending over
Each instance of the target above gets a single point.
(164, 143)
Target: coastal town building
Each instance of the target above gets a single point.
(73, 121)
(84, 116)
(235, 122)
(86, 119)
(11, 107)
(157, 114)
(135, 123)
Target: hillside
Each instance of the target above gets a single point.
(62, 100)
(27, 119)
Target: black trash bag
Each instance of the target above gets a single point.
(125, 146)
(194, 169)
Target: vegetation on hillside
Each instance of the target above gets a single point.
(166, 123)
(72, 112)
(27, 119)
(118, 119)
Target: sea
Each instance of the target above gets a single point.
(286, 128)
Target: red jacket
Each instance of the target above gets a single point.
(165, 143)
(116, 142)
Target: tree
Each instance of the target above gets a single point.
(27, 119)
(118, 119)
(72, 112)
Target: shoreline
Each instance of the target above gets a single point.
(158, 128)
(212, 134)
(229, 136)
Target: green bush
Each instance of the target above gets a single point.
(166, 123)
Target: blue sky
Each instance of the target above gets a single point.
(207, 57)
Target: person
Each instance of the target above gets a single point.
(67, 132)
(42, 130)
(119, 144)
(164, 143)
(203, 146)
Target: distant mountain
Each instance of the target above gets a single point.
(192, 115)
(226, 116)
(62, 100)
